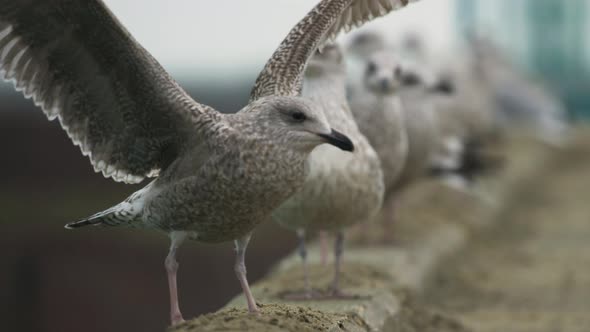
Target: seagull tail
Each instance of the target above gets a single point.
(82, 223)
(115, 216)
(124, 213)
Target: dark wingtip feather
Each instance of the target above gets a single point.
(81, 223)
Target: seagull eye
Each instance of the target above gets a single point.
(298, 116)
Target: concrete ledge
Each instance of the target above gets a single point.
(435, 222)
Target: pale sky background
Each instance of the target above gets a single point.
(227, 42)
(198, 38)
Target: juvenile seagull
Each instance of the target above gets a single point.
(418, 92)
(521, 102)
(219, 175)
(437, 118)
(460, 157)
(378, 110)
(361, 45)
(342, 188)
(420, 121)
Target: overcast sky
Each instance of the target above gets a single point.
(228, 37)
(221, 40)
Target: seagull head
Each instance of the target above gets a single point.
(296, 122)
(383, 73)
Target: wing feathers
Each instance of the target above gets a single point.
(80, 66)
(362, 11)
(282, 74)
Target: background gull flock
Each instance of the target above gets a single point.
(415, 105)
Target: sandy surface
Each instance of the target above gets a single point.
(273, 317)
(292, 318)
(531, 272)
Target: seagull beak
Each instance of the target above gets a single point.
(339, 140)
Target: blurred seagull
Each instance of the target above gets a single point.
(520, 101)
(394, 110)
(458, 155)
(378, 110)
(359, 47)
(218, 175)
(420, 120)
(342, 188)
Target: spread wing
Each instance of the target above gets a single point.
(283, 73)
(114, 100)
(362, 11)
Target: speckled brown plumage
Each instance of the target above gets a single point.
(219, 175)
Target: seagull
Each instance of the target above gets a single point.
(446, 89)
(438, 131)
(393, 105)
(420, 120)
(521, 102)
(459, 158)
(448, 147)
(358, 48)
(342, 188)
(217, 175)
(470, 107)
(378, 110)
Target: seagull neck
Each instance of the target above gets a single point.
(254, 132)
(244, 123)
(382, 98)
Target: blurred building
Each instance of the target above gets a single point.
(547, 37)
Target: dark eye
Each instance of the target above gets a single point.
(371, 68)
(298, 116)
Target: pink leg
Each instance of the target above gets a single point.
(171, 268)
(336, 291)
(240, 269)
(303, 255)
(323, 248)
(338, 248)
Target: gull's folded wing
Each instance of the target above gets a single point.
(114, 100)
(282, 74)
